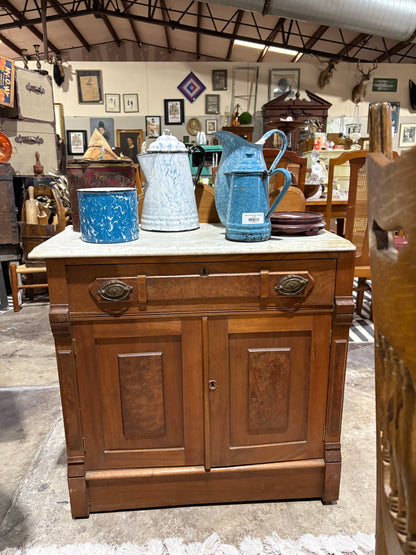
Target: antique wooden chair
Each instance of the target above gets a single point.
(355, 227)
(290, 160)
(392, 206)
(293, 201)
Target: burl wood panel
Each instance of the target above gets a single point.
(268, 389)
(141, 390)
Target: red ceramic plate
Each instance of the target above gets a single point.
(5, 148)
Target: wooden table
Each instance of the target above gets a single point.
(199, 370)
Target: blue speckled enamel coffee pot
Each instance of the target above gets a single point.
(247, 185)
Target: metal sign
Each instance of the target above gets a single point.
(384, 85)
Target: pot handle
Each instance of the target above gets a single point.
(283, 146)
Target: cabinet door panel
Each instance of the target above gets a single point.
(269, 402)
(148, 405)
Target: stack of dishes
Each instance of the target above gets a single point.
(296, 223)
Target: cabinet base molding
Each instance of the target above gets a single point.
(111, 490)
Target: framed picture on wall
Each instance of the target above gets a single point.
(76, 141)
(153, 124)
(282, 81)
(174, 111)
(112, 102)
(407, 136)
(130, 142)
(210, 126)
(219, 79)
(131, 102)
(105, 126)
(212, 103)
(90, 86)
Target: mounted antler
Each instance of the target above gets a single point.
(358, 92)
(326, 75)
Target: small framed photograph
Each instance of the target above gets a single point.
(210, 126)
(153, 124)
(174, 111)
(76, 142)
(407, 135)
(130, 142)
(131, 102)
(90, 86)
(212, 103)
(283, 81)
(219, 79)
(112, 102)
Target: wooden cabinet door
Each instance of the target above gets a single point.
(269, 379)
(140, 392)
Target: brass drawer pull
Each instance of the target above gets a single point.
(291, 285)
(114, 290)
(39, 89)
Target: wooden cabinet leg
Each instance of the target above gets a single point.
(78, 497)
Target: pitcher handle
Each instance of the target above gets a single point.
(201, 164)
(288, 180)
(283, 145)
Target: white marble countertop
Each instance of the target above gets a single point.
(209, 239)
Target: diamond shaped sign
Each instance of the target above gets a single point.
(191, 87)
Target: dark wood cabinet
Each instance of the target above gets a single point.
(205, 383)
(244, 131)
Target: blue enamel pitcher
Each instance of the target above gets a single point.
(242, 186)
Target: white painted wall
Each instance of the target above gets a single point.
(156, 81)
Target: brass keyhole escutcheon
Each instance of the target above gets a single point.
(212, 385)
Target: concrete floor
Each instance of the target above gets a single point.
(34, 504)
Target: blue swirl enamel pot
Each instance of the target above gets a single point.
(108, 214)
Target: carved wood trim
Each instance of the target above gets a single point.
(336, 389)
(59, 319)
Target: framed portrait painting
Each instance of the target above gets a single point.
(153, 124)
(90, 86)
(130, 142)
(106, 127)
(76, 142)
(283, 81)
(174, 111)
(211, 126)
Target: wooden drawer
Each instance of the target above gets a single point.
(33, 97)
(156, 288)
(27, 138)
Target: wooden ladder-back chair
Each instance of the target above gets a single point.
(290, 160)
(392, 206)
(355, 227)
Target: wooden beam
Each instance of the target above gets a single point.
(10, 45)
(111, 29)
(393, 50)
(56, 6)
(6, 4)
(355, 42)
(166, 19)
(132, 25)
(240, 14)
(278, 27)
(198, 34)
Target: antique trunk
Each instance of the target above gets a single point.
(27, 138)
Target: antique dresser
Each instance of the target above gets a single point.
(198, 370)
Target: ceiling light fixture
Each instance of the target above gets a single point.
(260, 46)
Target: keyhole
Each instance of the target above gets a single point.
(212, 385)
